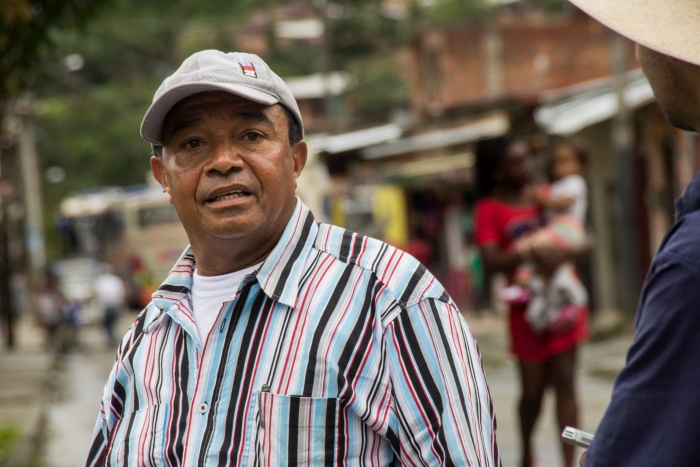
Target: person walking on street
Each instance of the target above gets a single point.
(277, 340)
(50, 303)
(652, 419)
(110, 295)
(504, 216)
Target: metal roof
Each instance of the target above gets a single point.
(358, 139)
(571, 115)
(495, 125)
(314, 86)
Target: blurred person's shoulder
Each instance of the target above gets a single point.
(683, 238)
(404, 276)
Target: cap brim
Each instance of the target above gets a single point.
(152, 125)
(668, 27)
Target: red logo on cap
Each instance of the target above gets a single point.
(248, 69)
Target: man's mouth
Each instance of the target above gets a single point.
(230, 195)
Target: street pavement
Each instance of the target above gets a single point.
(72, 400)
(599, 364)
(24, 375)
(75, 402)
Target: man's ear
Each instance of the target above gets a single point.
(158, 170)
(300, 152)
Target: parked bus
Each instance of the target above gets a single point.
(135, 229)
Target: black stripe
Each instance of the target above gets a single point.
(118, 398)
(293, 431)
(221, 370)
(180, 407)
(427, 392)
(345, 246)
(127, 435)
(298, 248)
(181, 289)
(98, 449)
(356, 248)
(280, 344)
(408, 435)
(412, 283)
(321, 329)
(330, 441)
(357, 343)
(453, 366)
(395, 443)
(155, 410)
(380, 256)
(233, 425)
(138, 324)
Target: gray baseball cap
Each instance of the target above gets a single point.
(242, 74)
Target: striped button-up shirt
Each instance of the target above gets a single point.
(339, 350)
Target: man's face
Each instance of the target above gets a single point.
(676, 85)
(228, 167)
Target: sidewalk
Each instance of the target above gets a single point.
(599, 364)
(25, 376)
(602, 359)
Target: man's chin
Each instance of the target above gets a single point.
(678, 122)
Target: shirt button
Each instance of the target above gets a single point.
(203, 407)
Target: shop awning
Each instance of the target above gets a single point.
(573, 114)
(430, 166)
(315, 86)
(358, 139)
(495, 125)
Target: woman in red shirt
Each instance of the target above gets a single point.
(505, 168)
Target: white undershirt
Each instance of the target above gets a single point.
(208, 295)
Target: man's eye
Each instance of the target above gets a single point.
(192, 144)
(252, 137)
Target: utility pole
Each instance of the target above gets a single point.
(31, 191)
(7, 314)
(625, 206)
(320, 7)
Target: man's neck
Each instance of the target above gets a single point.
(223, 256)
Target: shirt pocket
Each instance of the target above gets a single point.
(139, 437)
(297, 430)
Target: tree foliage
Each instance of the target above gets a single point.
(88, 119)
(27, 36)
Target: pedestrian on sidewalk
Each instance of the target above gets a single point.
(652, 419)
(277, 340)
(110, 294)
(50, 304)
(505, 215)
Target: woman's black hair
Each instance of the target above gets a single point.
(489, 157)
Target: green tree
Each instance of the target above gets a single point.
(27, 36)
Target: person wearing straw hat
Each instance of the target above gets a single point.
(277, 340)
(654, 414)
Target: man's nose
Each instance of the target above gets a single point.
(225, 158)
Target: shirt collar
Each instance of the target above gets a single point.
(279, 275)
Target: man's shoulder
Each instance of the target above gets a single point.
(683, 239)
(408, 280)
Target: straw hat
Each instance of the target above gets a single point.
(671, 27)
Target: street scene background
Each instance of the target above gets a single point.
(394, 96)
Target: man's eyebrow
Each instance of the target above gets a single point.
(185, 124)
(256, 116)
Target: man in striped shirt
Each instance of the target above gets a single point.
(277, 340)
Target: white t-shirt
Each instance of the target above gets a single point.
(209, 294)
(572, 186)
